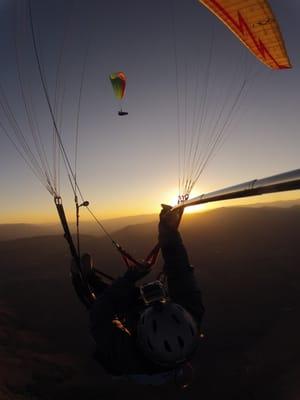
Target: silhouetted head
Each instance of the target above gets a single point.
(167, 334)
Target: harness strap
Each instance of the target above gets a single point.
(83, 291)
(153, 255)
(132, 262)
(127, 258)
(67, 233)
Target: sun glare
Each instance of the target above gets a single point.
(172, 201)
(196, 209)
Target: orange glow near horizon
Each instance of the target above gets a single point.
(149, 206)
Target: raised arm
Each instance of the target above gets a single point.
(182, 285)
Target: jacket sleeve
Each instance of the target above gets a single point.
(182, 285)
(115, 348)
(115, 300)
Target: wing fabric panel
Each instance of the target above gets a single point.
(118, 81)
(255, 25)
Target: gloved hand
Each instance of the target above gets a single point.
(169, 219)
(137, 272)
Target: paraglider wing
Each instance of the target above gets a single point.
(255, 25)
(118, 81)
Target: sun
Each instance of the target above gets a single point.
(173, 200)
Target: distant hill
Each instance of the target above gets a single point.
(15, 231)
(247, 262)
(18, 231)
(281, 203)
(203, 232)
(114, 224)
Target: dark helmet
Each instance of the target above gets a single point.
(167, 334)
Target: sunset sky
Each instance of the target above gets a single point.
(129, 165)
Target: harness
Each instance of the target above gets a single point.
(128, 259)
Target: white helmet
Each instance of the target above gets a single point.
(167, 334)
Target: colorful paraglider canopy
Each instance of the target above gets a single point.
(255, 25)
(118, 81)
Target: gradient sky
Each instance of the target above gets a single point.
(129, 165)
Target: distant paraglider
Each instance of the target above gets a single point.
(118, 81)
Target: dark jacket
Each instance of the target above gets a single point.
(115, 312)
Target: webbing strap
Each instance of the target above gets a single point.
(153, 255)
(127, 258)
(131, 261)
(85, 294)
(67, 233)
